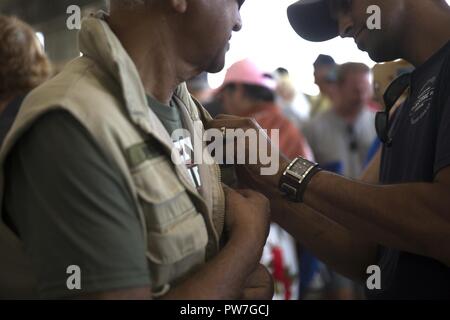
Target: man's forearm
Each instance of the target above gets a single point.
(330, 242)
(223, 277)
(410, 217)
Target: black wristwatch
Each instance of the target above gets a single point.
(296, 177)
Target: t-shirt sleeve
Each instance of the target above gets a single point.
(442, 156)
(72, 207)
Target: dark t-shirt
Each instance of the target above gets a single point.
(420, 149)
(170, 116)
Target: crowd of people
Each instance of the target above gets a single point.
(88, 176)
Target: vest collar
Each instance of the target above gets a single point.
(98, 42)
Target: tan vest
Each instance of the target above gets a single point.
(103, 91)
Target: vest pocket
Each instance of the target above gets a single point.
(174, 255)
(163, 198)
(176, 232)
(156, 180)
(183, 240)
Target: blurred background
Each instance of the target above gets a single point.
(48, 18)
(266, 38)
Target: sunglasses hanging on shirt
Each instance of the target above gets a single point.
(390, 97)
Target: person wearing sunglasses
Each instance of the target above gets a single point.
(398, 216)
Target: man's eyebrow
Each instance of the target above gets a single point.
(241, 2)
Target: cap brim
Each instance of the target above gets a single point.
(312, 21)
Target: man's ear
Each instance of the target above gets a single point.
(179, 6)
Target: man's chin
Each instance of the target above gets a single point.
(215, 69)
(377, 53)
(216, 66)
(380, 57)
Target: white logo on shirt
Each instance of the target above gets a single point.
(423, 102)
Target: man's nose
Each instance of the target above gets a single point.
(346, 26)
(238, 24)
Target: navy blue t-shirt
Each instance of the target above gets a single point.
(420, 149)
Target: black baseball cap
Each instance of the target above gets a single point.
(312, 21)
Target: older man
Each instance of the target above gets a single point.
(91, 186)
(398, 218)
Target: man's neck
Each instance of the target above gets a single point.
(160, 68)
(426, 35)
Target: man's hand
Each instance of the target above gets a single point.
(259, 285)
(247, 216)
(233, 272)
(251, 170)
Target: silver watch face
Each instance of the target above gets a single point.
(299, 168)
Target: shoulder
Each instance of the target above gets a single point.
(81, 83)
(58, 120)
(57, 134)
(85, 91)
